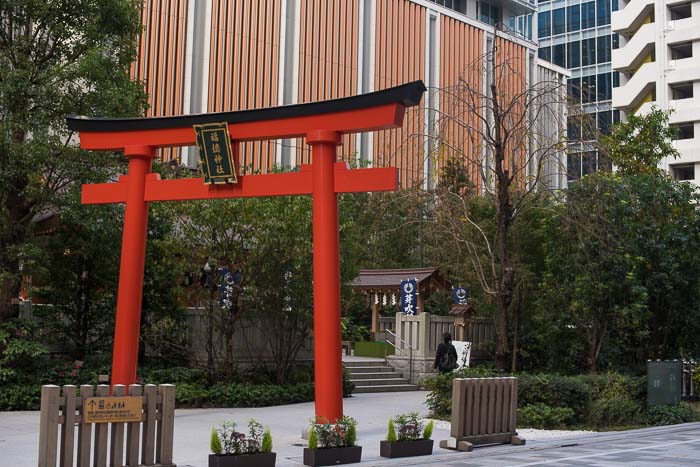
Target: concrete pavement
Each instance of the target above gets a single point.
(678, 445)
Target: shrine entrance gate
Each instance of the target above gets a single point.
(322, 124)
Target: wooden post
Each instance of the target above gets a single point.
(148, 446)
(116, 445)
(68, 427)
(375, 317)
(84, 429)
(48, 425)
(133, 432)
(101, 430)
(166, 425)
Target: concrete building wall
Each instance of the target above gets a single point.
(659, 64)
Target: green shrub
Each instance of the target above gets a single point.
(555, 391)
(215, 442)
(544, 417)
(391, 431)
(658, 415)
(428, 430)
(348, 386)
(174, 375)
(614, 410)
(266, 441)
(351, 438)
(313, 438)
(20, 397)
(191, 395)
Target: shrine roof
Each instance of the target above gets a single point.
(387, 280)
(408, 94)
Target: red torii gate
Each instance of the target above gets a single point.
(322, 123)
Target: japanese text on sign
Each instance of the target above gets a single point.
(112, 409)
(215, 153)
(409, 297)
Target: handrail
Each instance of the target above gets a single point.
(404, 343)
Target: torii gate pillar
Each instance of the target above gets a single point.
(328, 370)
(133, 257)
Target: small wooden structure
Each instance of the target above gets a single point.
(388, 281)
(461, 313)
(484, 411)
(65, 410)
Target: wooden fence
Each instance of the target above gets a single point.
(63, 411)
(484, 410)
(423, 332)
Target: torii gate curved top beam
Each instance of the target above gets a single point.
(322, 124)
(379, 110)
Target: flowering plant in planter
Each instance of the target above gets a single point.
(332, 443)
(413, 438)
(231, 448)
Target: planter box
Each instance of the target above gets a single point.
(418, 447)
(332, 456)
(243, 460)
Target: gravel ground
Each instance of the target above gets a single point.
(532, 434)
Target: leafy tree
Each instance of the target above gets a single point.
(56, 58)
(637, 146)
(590, 283)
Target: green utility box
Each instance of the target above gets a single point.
(664, 382)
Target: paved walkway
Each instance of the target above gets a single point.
(670, 446)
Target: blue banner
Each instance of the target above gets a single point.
(460, 295)
(409, 296)
(226, 288)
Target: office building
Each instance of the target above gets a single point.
(576, 34)
(200, 56)
(659, 64)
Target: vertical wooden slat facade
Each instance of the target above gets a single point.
(244, 47)
(160, 62)
(328, 54)
(457, 62)
(400, 50)
(244, 66)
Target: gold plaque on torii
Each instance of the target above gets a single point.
(112, 409)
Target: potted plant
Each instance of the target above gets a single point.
(332, 443)
(231, 448)
(413, 439)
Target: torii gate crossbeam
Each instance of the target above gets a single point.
(322, 124)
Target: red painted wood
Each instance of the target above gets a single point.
(375, 118)
(128, 317)
(289, 184)
(328, 368)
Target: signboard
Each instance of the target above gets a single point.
(409, 296)
(112, 409)
(215, 153)
(460, 295)
(464, 353)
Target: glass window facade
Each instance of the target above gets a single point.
(544, 27)
(558, 21)
(588, 15)
(578, 36)
(573, 18)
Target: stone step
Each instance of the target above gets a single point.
(379, 382)
(362, 363)
(392, 388)
(369, 369)
(384, 375)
